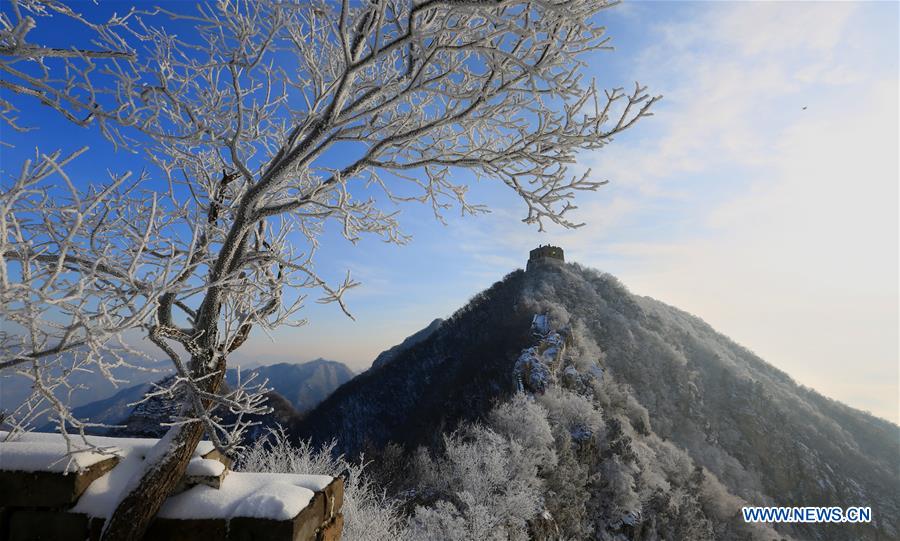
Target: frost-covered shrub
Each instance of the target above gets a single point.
(584, 349)
(567, 494)
(484, 485)
(618, 490)
(443, 520)
(572, 412)
(369, 515)
(523, 420)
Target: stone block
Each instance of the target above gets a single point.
(214, 481)
(170, 529)
(4, 523)
(260, 529)
(167, 529)
(303, 527)
(49, 489)
(41, 525)
(189, 480)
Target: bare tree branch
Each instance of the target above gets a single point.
(267, 120)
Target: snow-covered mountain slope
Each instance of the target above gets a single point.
(456, 373)
(672, 393)
(390, 354)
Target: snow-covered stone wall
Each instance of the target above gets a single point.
(53, 490)
(538, 366)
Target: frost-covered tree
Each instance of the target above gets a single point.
(484, 483)
(265, 120)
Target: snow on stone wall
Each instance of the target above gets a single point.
(51, 490)
(536, 367)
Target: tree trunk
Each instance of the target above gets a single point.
(136, 511)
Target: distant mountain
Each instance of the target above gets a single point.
(87, 386)
(110, 411)
(304, 385)
(665, 425)
(389, 355)
(296, 388)
(148, 419)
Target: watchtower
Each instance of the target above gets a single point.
(545, 254)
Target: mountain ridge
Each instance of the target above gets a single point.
(667, 375)
(391, 353)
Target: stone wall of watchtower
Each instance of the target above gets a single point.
(546, 253)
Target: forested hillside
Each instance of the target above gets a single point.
(610, 416)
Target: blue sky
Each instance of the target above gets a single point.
(777, 225)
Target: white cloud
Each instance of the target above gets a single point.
(782, 222)
(755, 30)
